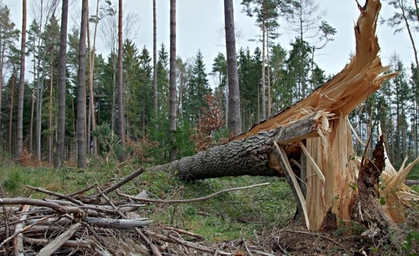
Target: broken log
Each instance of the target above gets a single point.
(251, 156)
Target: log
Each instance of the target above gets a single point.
(251, 156)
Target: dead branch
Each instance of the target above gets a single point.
(18, 241)
(59, 241)
(51, 193)
(182, 201)
(36, 202)
(123, 181)
(171, 239)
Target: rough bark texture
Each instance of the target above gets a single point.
(251, 156)
(247, 157)
(81, 92)
(121, 128)
(19, 135)
(234, 120)
(59, 151)
(367, 207)
(172, 101)
(155, 103)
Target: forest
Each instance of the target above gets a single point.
(143, 108)
(287, 77)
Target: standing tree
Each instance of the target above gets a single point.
(155, 62)
(59, 150)
(121, 130)
(172, 101)
(81, 91)
(234, 119)
(407, 16)
(92, 56)
(266, 12)
(313, 34)
(8, 36)
(19, 136)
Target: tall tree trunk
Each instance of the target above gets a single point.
(263, 62)
(50, 113)
(39, 92)
(2, 49)
(12, 98)
(269, 76)
(19, 136)
(92, 56)
(121, 130)
(155, 103)
(81, 91)
(32, 117)
(234, 120)
(172, 100)
(59, 146)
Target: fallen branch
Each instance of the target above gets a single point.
(185, 232)
(117, 223)
(42, 190)
(182, 201)
(68, 243)
(411, 182)
(152, 246)
(123, 181)
(37, 202)
(22, 230)
(18, 241)
(172, 239)
(59, 241)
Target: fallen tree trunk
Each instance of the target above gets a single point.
(250, 156)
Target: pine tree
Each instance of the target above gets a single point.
(21, 87)
(197, 88)
(234, 118)
(121, 123)
(8, 36)
(173, 93)
(81, 91)
(59, 151)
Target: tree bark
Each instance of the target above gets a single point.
(19, 130)
(250, 156)
(81, 91)
(59, 146)
(263, 62)
(12, 98)
(172, 100)
(155, 102)
(234, 120)
(121, 128)
(50, 115)
(92, 57)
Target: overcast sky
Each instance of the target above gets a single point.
(199, 23)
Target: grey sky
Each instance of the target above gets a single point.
(199, 23)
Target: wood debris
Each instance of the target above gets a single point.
(73, 225)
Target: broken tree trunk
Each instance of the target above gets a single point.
(328, 157)
(249, 156)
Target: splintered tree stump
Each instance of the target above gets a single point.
(368, 205)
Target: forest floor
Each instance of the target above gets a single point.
(257, 221)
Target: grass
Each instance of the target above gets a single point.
(224, 217)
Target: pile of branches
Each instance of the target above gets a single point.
(94, 224)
